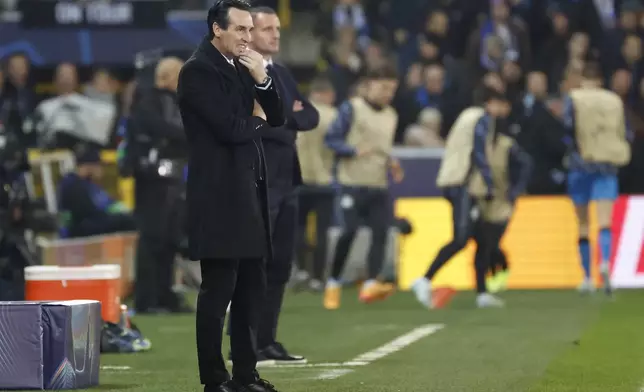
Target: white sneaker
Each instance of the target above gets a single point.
(301, 276)
(586, 287)
(316, 285)
(422, 288)
(487, 300)
(604, 269)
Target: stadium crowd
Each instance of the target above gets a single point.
(448, 49)
(445, 50)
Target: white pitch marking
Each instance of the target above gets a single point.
(332, 374)
(304, 365)
(365, 359)
(387, 349)
(107, 367)
(395, 345)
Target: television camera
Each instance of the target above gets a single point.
(19, 215)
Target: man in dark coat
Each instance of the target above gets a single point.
(283, 177)
(228, 225)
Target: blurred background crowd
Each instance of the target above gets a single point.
(445, 50)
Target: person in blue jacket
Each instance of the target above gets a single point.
(86, 208)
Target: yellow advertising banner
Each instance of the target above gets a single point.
(540, 243)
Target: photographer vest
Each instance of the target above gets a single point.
(373, 129)
(316, 159)
(457, 154)
(499, 209)
(599, 126)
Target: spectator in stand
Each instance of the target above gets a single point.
(492, 56)
(432, 42)
(374, 57)
(598, 18)
(553, 56)
(426, 132)
(621, 83)
(66, 79)
(511, 31)
(18, 98)
(579, 50)
(346, 64)
(68, 118)
(536, 92)
(632, 60)
(614, 39)
(494, 81)
(101, 87)
(512, 73)
(631, 176)
(431, 93)
(350, 13)
(404, 101)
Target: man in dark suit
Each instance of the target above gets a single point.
(283, 176)
(228, 225)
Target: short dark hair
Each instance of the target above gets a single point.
(490, 94)
(592, 71)
(218, 13)
(386, 71)
(262, 9)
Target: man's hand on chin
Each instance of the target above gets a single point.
(255, 64)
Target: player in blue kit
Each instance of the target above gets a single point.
(597, 142)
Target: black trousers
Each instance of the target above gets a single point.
(488, 238)
(319, 200)
(283, 216)
(159, 209)
(371, 207)
(464, 215)
(499, 261)
(242, 281)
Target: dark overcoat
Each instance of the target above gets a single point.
(227, 191)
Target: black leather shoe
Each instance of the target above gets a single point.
(258, 386)
(278, 353)
(228, 386)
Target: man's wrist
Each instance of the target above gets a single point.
(261, 78)
(265, 84)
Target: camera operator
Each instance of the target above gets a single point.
(156, 128)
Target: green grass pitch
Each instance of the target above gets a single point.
(544, 341)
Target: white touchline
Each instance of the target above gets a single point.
(107, 367)
(395, 345)
(364, 359)
(332, 374)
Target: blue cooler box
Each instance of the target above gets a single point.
(49, 345)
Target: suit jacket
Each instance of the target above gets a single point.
(282, 162)
(226, 190)
(155, 120)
